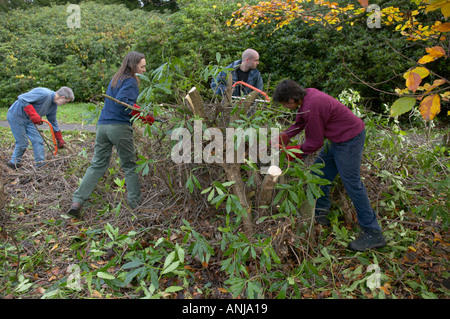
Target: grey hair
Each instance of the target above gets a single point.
(66, 92)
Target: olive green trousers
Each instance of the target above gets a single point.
(121, 137)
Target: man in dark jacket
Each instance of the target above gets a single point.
(242, 70)
(323, 117)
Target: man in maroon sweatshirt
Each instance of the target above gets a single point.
(323, 117)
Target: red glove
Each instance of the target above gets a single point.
(298, 155)
(145, 119)
(59, 139)
(31, 112)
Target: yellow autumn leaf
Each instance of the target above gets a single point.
(446, 96)
(401, 92)
(435, 4)
(445, 9)
(430, 106)
(421, 71)
(425, 59)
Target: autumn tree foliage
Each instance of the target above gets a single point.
(408, 23)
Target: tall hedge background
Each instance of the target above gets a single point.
(38, 49)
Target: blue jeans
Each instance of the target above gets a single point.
(345, 159)
(22, 131)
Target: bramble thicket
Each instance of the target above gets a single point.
(223, 230)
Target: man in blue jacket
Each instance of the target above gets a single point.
(26, 112)
(243, 70)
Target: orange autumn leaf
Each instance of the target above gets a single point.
(444, 27)
(430, 106)
(414, 77)
(386, 288)
(436, 83)
(364, 3)
(433, 53)
(436, 51)
(413, 81)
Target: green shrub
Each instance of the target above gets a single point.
(39, 49)
(195, 33)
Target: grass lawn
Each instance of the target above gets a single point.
(72, 113)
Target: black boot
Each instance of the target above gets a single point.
(368, 239)
(321, 217)
(13, 165)
(75, 210)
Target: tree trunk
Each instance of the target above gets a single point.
(227, 96)
(233, 172)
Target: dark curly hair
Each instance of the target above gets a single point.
(287, 89)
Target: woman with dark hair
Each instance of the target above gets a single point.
(114, 129)
(323, 117)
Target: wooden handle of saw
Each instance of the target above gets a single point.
(53, 136)
(122, 103)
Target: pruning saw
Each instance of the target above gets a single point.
(55, 151)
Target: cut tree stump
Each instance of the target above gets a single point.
(266, 191)
(196, 103)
